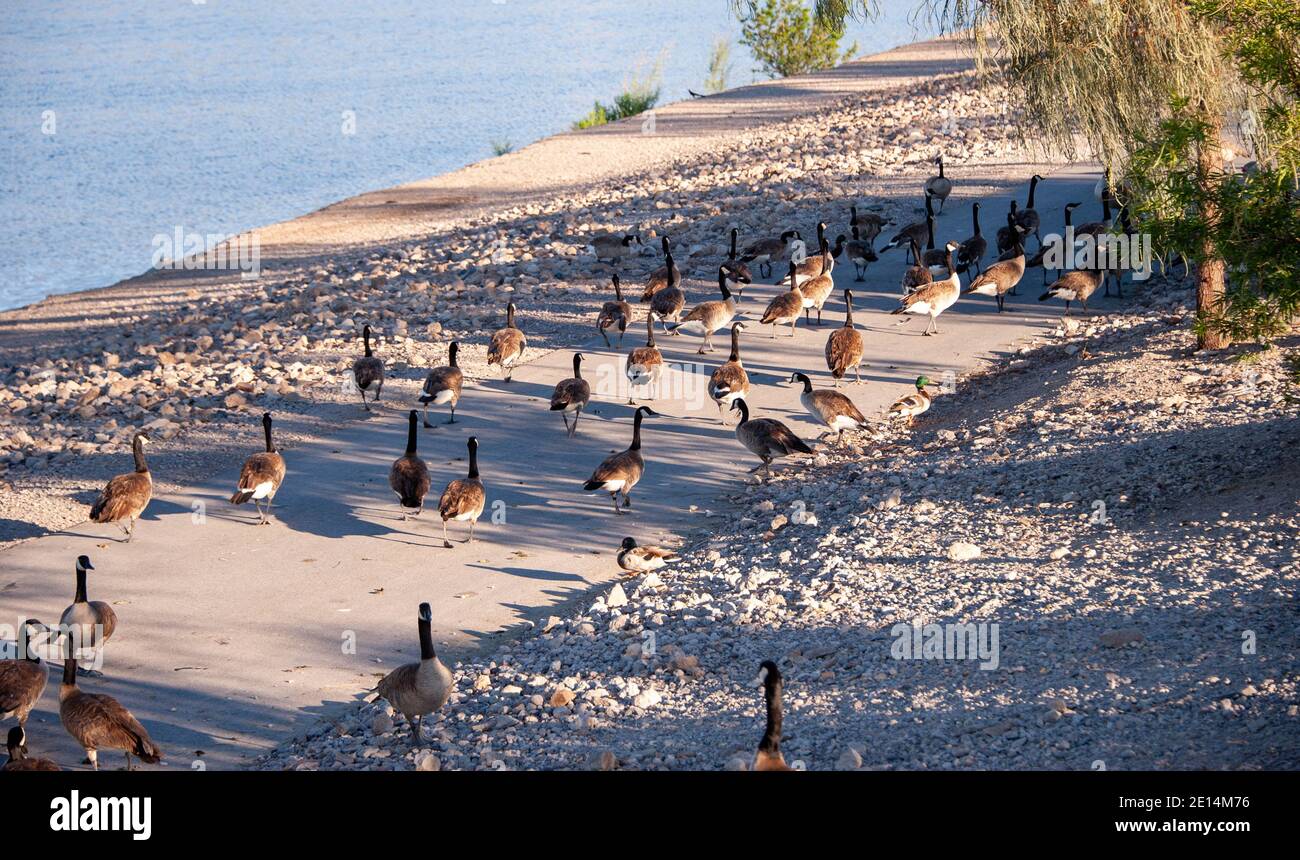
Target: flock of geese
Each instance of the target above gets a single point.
(930, 285)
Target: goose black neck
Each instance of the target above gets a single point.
(618, 289)
(473, 459)
(807, 383)
(929, 207)
(365, 338)
(411, 434)
(744, 411)
(81, 586)
(722, 284)
(772, 733)
(975, 217)
(1069, 215)
(732, 254)
(735, 345)
(941, 176)
(636, 431)
(1033, 187)
(848, 309)
(650, 328)
(426, 640)
(266, 428)
(451, 354)
(510, 315)
(70, 671)
(929, 233)
(853, 216)
(137, 451)
(577, 365)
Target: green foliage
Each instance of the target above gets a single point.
(786, 40)
(640, 94)
(501, 147)
(719, 67)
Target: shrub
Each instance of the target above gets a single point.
(786, 40)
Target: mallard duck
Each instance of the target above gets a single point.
(643, 559)
(911, 405)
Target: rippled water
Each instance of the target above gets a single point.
(122, 121)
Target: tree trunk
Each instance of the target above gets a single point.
(1210, 269)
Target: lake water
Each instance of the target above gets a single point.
(122, 121)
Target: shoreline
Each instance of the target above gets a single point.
(205, 357)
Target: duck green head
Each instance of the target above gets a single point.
(922, 382)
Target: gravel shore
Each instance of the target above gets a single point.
(1120, 507)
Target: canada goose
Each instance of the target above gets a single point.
(1096, 228)
(911, 405)
(22, 679)
(571, 395)
(97, 721)
(769, 755)
(934, 298)
(643, 559)
(1038, 260)
(620, 472)
(914, 233)
(409, 477)
(126, 496)
(1027, 218)
(666, 305)
(844, 348)
(738, 276)
(645, 364)
(508, 344)
(418, 689)
(831, 408)
(708, 317)
(463, 499)
(971, 252)
(916, 275)
(821, 263)
(766, 437)
(939, 187)
(1001, 277)
(1074, 286)
(261, 476)
(764, 252)
(664, 276)
(785, 307)
(730, 380)
(18, 758)
(615, 313)
(1103, 190)
(817, 289)
(443, 384)
(935, 259)
(860, 253)
(869, 225)
(612, 246)
(368, 371)
(87, 624)
(1006, 237)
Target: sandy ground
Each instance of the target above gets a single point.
(232, 637)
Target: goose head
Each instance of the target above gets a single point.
(83, 564)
